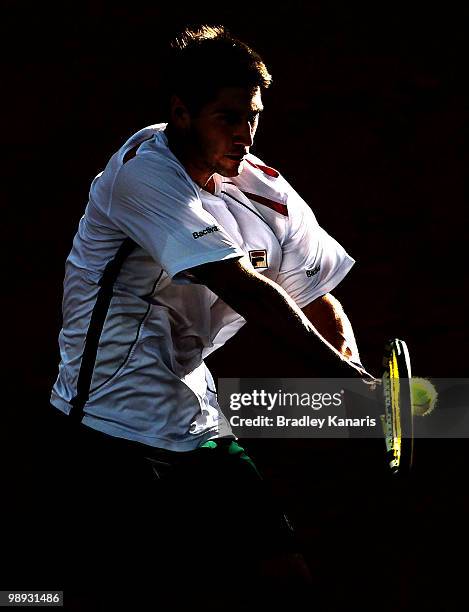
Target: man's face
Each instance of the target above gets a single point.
(223, 131)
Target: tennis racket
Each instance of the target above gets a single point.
(397, 420)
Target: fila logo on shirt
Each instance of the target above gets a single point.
(258, 259)
(313, 271)
(204, 232)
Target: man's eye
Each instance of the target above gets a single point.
(233, 118)
(229, 118)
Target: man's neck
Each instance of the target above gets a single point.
(183, 154)
(210, 185)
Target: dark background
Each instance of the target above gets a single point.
(367, 117)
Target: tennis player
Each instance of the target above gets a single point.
(186, 237)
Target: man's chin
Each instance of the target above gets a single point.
(234, 169)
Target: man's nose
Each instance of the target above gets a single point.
(244, 134)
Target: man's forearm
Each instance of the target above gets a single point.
(263, 302)
(328, 317)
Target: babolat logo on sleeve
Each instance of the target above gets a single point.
(258, 259)
(204, 232)
(313, 271)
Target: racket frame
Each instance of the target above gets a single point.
(397, 420)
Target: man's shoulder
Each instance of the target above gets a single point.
(255, 164)
(151, 178)
(263, 184)
(151, 151)
(150, 164)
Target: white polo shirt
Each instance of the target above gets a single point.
(136, 328)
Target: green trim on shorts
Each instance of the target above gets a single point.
(233, 449)
(209, 444)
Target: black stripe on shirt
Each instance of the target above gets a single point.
(95, 328)
(134, 341)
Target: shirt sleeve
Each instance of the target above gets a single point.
(162, 212)
(313, 262)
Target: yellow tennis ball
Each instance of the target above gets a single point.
(424, 396)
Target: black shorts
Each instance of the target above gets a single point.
(128, 511)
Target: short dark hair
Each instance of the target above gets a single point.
(203, 60)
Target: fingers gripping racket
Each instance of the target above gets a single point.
(397, 420)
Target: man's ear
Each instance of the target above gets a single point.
(179, 113)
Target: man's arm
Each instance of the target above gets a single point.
(263, 302)
(328, 317)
